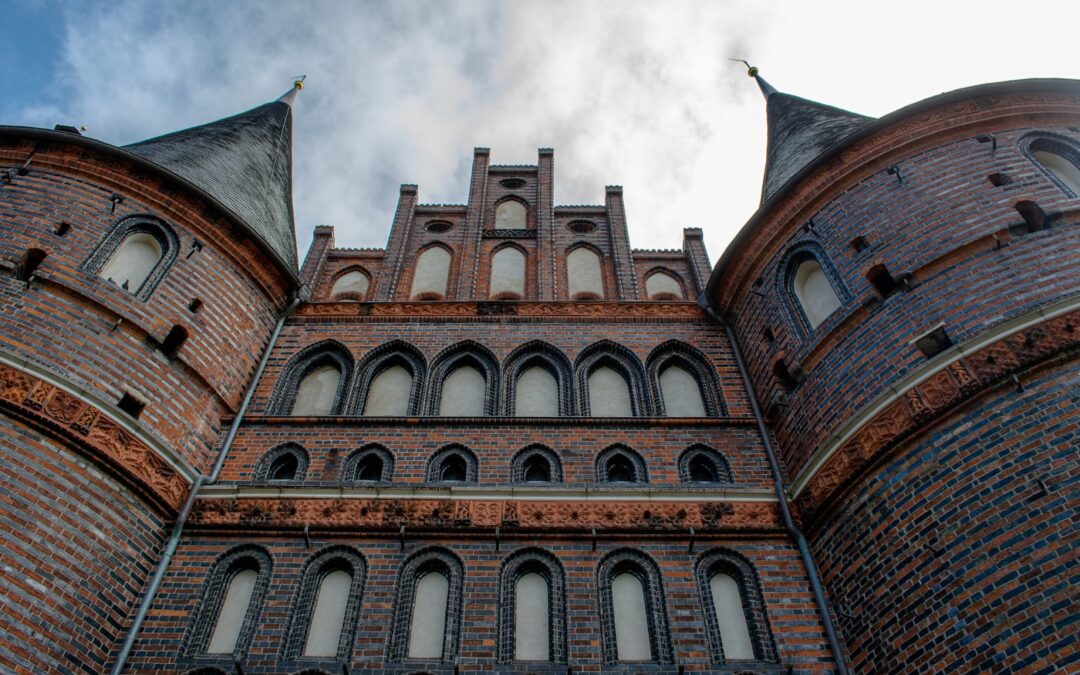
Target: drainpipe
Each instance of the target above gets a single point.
(200, 480)
(781, 495)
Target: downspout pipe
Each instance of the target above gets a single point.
(781, 495)
(193, 493)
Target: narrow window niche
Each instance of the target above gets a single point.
(29, 263)
(883, 282)
(933, 343)
(131, 404)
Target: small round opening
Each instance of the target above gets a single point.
(439, 226)
(581, 226)
(512, 183)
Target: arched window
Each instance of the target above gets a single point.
(663, 286)
(532, 608)
(286, 462)
(681, 392)
(390, 381)
(463, 393)
(633, 613)
(314, 381)
(685, 381)
(734, 609)
(370, 464)
(1058, 158)
(510, 214)
(507, 274)
(536, 464)
(584, 274)
(612, 382)
(701, 464)
(318, 391)
(353, 285)
(427, 613)
(538, 382)
(453, 464)
(231, 601)
(431, 275)
(135, 254)
(327, 605)
(620, 464)
(814, 292)
(464, 382)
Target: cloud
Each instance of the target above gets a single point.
(628, 92)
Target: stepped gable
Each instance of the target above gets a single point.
(243, 161)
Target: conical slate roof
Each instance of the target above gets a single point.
(800, 131)
(243, 161)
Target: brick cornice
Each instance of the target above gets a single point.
(527, 311)
(85, 427)
(960, 377)
(389, 515)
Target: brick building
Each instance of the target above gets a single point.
(510, 442)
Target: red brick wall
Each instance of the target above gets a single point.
(78, 548)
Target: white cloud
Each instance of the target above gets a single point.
(629, 92)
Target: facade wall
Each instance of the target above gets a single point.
(78, 549)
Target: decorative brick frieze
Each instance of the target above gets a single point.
(602, 311)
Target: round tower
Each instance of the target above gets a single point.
(907, 305)
(140, 286)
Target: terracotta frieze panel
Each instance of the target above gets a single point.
(57, 412)
(448, 514)
(458, 310)
(923, 404)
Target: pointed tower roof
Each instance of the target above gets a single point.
(799, 132)
(243, 161)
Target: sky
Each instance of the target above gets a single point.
(632, 93)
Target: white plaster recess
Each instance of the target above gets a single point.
(350, 282)
(233, 610)
(317, 391)
(428, 616)
(531, 619)
(328, 616)
(132, 261)
(681, 392)
(661, 283)
(609, 394)
(511, 215)
(388, 394)
(508, 272)
(432, 272)
(463, 393)
(815, 293)
(631, 622)
(584, 273)
(730, 618)
(536, 394)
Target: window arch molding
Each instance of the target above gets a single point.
(716, 459)
(421, 294)
(519, 464)
(626, 560)
(739, 568)
(619, 452)
(265, 468)
(437, 464)
(351, 468)
(666, 271)
(1062, 146)
(349, 295)
(620, 359)
(789, 267)
(546, 356)
(677, 353)
(431, 559)
(382, 358)
(161, 231)
(547, 565)
(525, 275)
(314, 571)
(600, 260)
(308, 359)
(466, 353)
(528, 225)
(222, 571)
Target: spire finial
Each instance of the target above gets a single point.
(289, 97)
(752, 71)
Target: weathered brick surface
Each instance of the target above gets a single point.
(77, 550)
(790, 608)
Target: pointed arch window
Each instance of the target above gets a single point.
(536, 393)
(609, 393)
(536, 464)
(584, 274)
(352, 285)
(633, 612)
(390, 381)
(431, 274)
(324, 615)
(532, 608)
(612, 382)
(701, 464)
(231, 601)
(463, 393)
(734, 608)
(453, 464)
(390, 393)
(427, 613)
(135, 254)
(620, 464)
(681, 392)
(317, 392)
(372, 463)
(814, 292)
(507, 280)
(538, 382)
(286, 462)
(685, 381)
(464, 382)
(313, 382)
(1058, 158)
